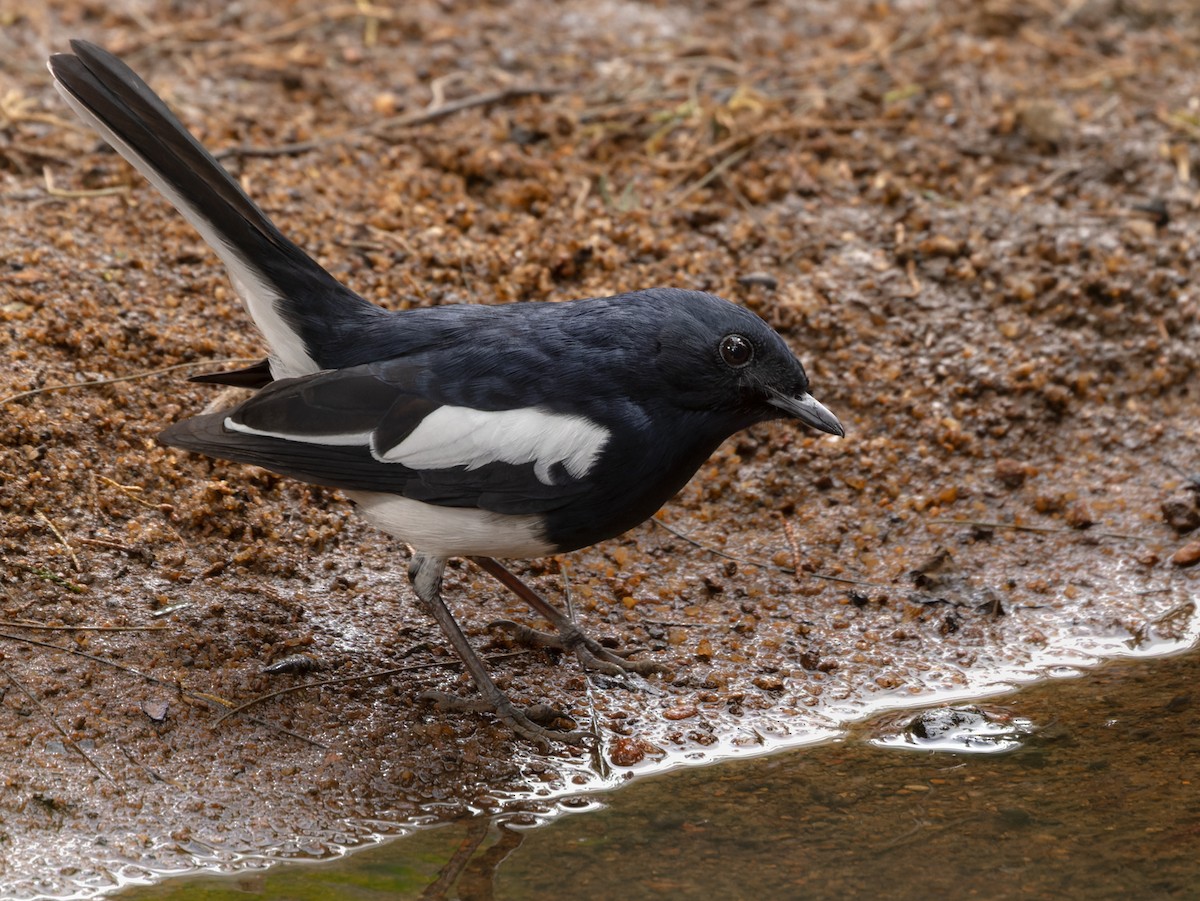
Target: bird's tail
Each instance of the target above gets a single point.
(310, 320)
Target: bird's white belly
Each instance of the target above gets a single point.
(453, 531)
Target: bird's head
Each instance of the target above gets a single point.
(721, 357)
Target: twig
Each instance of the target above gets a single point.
(339, 680)
(152, 773)
(719, 553)
(978, 524)
(53, 722)
(33, 392)
(774, 129)
(39, 152)
(59, 535)
(748, 562)
(671, 624)
(211, 700)
(790, 534)
(115, 546)
(54, 191)
(405, 120)
(10, 624)
(425, 116)
(131, 492)
(288, 30)
(914, 283)
(370, 22)
(733, 159)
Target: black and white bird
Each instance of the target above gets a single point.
(466, 431)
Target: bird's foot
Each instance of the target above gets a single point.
(590, 653)
(570, 638)
(535, 723)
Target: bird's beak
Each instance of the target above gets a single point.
(809, 411)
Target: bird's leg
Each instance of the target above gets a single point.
(590, 653)
(425, 573)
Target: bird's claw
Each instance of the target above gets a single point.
(590, 653)
(535, 723)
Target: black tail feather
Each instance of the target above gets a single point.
(310, 320)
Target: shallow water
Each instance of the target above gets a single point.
(1095, 798)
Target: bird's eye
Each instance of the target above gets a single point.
(736, 351)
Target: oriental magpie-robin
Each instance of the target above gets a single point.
(472, 431)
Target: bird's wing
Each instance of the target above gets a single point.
(373, 429)
(255, 376)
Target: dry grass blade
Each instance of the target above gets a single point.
(34, 392)
(133, 492)
(763, 563)
(715, 172)
(43, 573)
(55, 191)
(62, 540)
(789, 533)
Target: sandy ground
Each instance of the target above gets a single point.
(975, 222)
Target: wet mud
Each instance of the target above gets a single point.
(975, 223)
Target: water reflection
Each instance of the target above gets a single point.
(1099, 801)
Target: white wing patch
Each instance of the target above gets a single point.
(346, 439)
(461, 436)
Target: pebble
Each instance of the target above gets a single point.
(765, 279)
(1188, 555)
(1046, 122)
(1010, 473)
(629, 751)
(1180, 513)
(156, 710)
(1079, 516)
(680, 712)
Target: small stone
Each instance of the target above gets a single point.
(629, 751)
(940, 246)
(1010, 473)
(769, 683)
(680, 712)
(765, 279)
(1049, 503)
(1188, 555)
(1180, 513)
(1079, 516)
(293, 665)
(386, 103)
(156, 710)
(1046, 122)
